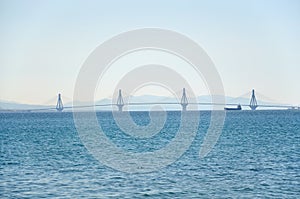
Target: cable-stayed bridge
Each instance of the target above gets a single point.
(184, 103)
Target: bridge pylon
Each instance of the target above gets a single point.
(120, 101)
(253, 102)
(59, 104)
(184, 101)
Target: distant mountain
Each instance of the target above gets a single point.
(8, 105)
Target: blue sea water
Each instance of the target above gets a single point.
(256, 156)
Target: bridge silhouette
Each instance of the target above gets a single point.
(253, 105)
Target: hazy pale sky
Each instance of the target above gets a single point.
(254, 44)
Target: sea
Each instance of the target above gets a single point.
(257, 155)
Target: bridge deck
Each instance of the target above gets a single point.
(166, 103)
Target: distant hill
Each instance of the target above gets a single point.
(7, 105)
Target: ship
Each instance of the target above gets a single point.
(238, 108)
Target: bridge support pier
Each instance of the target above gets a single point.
(59, 104)
(253, 102)
(184, 101)
(120, 101)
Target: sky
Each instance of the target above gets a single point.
(253, 44)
